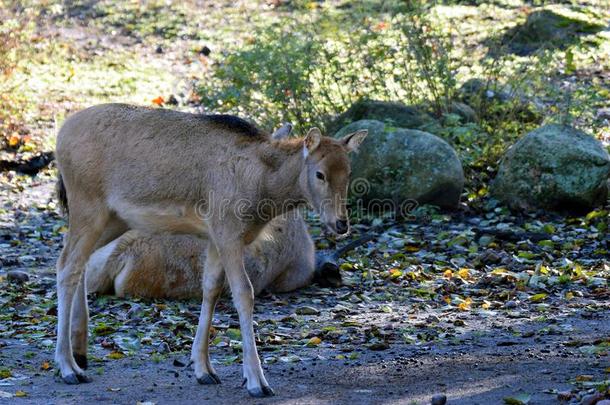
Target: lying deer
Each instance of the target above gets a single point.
(281, 259)
(216, 176)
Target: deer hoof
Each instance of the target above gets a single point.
(261, 392)
(83, 378)
(71, 379)
(81, 360)
(207, 379)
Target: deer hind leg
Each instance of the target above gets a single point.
(80, 310)
(232, 257)
(85, 230)
(212, 283)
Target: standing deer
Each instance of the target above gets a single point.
(215, 176)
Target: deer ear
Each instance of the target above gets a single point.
(282, 132)
(312, 141)
(352, 141)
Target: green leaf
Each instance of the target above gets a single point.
(519, 399)
(233, 334)
(538, 297)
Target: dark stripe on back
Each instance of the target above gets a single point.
(234, 124)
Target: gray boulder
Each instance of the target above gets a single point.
(392, 113)
(553, 167)
(402, 165)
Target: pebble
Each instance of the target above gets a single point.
(603, 114)
(134, 310)
(439, 399)
(591, 399)
(433, 319)
(604, 402)
(510, 305)
(17, 276)
(307, 311)
(163, 348)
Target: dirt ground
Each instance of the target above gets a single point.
(491, 364)
(380, 343)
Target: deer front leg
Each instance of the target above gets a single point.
(211, 283)
(232, 257)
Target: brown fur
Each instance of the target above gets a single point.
(169, 266)
(155, 171)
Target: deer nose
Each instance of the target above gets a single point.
(342, 226)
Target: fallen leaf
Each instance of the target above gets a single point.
(538, 297)
(14, 140)
(115, 355)
(314, 341)
(519, 399)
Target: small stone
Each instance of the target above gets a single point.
(433, 319)
(591, 399)
(17, 276)
(510, 305)
(307, 311)
(439, 399)
(604, 402)
(159, 49)
(490, 256)
(205, 51)
(377, 346)
(459, 322)
(564, 395)
(603, 114)
(134, 311)
(163, 348)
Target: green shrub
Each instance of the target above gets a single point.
(308, 71)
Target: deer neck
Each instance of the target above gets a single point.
(283, 184)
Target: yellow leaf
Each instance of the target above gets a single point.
(395, 273)
(447, 299)
(14, 140)
(465, 305)
(538, 297)
(45, 365)
(21, 394)
(464, 273)
(346, 266)
(314, 341)
(569, 295)
(158, 101)
(486, 305)
(116, 355)
(448, 273)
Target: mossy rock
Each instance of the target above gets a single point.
(554, 167)
(464, 111)
(402, 166)
(392, 113)
(551, 26)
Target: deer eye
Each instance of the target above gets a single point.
(320, 176)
